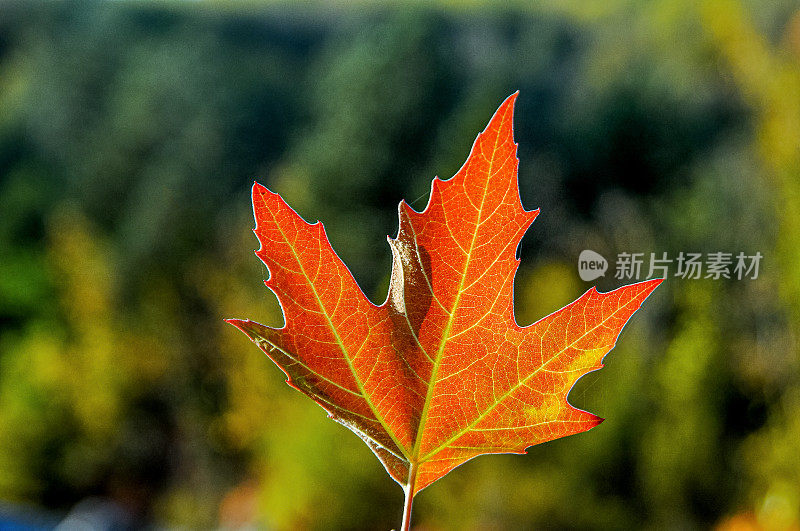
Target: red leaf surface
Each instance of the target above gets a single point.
(440, 372)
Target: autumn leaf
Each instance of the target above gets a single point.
(440, 372)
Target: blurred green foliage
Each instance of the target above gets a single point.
(131, 131)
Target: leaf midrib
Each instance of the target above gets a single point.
(414, 458)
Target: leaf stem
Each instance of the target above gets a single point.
(412, 479)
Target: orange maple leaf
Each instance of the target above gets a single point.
(440, 372)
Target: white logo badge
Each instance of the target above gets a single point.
(591, 265)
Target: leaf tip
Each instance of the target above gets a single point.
(241, 324)
(510, 102)
(258, 188)
(650, 285)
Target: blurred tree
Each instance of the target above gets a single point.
(769, 77)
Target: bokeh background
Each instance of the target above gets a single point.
(131, 132)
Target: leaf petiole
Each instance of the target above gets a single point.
(409, 490)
